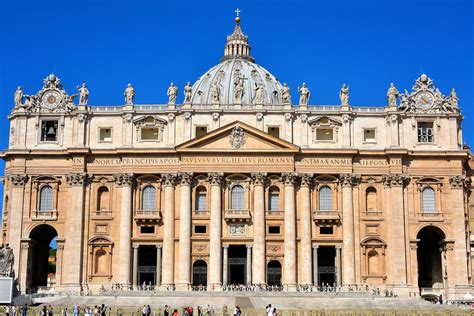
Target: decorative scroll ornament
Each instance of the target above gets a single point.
(18, 179)
(186, 178)
(350, 179)
(395, 179)
(215, 178)
(76, 179)
(259, 178)
(124, 179)
(237, 137)
(426, 98)
(51, 98)
(459, 182)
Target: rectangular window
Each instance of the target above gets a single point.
(49, 131)
(274, 202)
(105, 134)
(274, 230)
(200, 131)
(425, 132)
(369, 135)
(147, 229)
(200, 229)
(201, 201)
(324, 134)
(149, 133)
(326, 230)
(274, 131)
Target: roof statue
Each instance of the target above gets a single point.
(304, 94)
(129, 94)
(392, 95)
(172, 93)
(344, 95)
(83, 94)
(188, 91)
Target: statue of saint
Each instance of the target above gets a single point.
(259, 93)
(129, 94)
(18, 97)
(344, 95)
(238, 90)
(215, 93)
(172, 93)
(83, 94)
(392, 95)
(6, 261)
(304, 94)
(188, 91)
(285, 94)
(454, 98)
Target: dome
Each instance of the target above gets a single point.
(237, 80)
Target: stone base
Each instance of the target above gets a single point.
(6, 290)
(183, 287)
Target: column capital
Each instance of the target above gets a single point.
(259, 178)
(76, 178)
(249, 246)
(169, 179)
(186, 178)
(289, 178)
(225, 246)
(338, 246)
(124, 179)
(135, 247)
(395, 179)
(459, 182)
(306, 179)
(159, 246)
(215, 178)
(350, 179)
(18, 180)
(315, 246)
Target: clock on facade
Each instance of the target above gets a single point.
(424, 100)
(51, 99)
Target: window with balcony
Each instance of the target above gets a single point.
(46, 199)
(325, 198)
(425, 132)
(201, 199)
(274, 199)
(237, 199)
(149, 198)
(428, 204)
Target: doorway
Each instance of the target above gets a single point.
(429, 258)
(147, 265)
(237, 264)
(326, 265)
(200, 273)
(274, 273)
(42, 257)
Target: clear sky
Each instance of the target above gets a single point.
(367, 44)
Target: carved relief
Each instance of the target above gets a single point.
(76, 179)
(215, 178)
(350, 179)
(237, 229)
(237, 137)
(459, 182)
(395, 179)
(124, 179)
(18, 179)
(259, 178)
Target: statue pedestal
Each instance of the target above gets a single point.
(6, 290)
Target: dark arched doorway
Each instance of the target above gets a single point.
(42, 261)
(274, 273)
(430, 275)
(200, 273)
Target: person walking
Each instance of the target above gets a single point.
(269, 310)
(166, 312)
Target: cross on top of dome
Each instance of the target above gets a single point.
(237, 46)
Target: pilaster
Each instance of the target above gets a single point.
(259, 249)
(168, 183)
(215, 251)
(184, 280)
(289, 260)
(305, 222)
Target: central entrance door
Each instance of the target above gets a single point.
(237, 264)
(326, 266)
(147, 265)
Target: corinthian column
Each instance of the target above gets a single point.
(289, 260)
(75, 230)
(17, 194)
(348, 251)
(258, 257)
(215, 251)
(125, 180)
(168, 230)
(305, 256)
(184, 280)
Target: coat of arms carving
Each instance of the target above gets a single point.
(237, 137)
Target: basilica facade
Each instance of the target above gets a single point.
(239, 185)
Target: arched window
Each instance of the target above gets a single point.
(325, 198)
(149, 198)
(103, 199)
(274, 199)
(428, 200)
(371, 199)
(237, 198)
(46, 198)
(201, 199)
(101, 262)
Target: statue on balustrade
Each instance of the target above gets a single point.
(285, 94)
(172, 93)
(304, 94)
(129, 94)
(188, 91)
(344, 95)
(83, 94)
(392, 95)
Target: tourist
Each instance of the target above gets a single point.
(208, 309)
(199, 311)
(103, 310)
(274, 312)
(13, 310)
(175, 313)
(148, 310)
(76, 309)
(50, 310)
(7, 310)
(237, 311)
(269, 310)
(166, 312)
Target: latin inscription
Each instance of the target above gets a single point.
(237, 160)
(326, 161)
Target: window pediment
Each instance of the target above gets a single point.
(325, 121)
(149, 121)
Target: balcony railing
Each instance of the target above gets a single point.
(330, 217)
(275, 214)
(237, 215)
(430, 216)
(147, 216)
(200, 214)
(51, 215)
(372, 215)
(102, 214)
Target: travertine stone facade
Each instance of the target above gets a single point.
(238, 185)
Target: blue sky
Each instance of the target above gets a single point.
(107, 44)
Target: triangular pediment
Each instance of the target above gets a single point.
(237, 137)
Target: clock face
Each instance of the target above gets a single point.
(424, 100)
(51, 99)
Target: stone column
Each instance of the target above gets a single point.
(25, 257)
(225, 264)
(158, 265)
(184, 280)
(259, 250)
(59, 262)
(337, 265)
(315, 265)
(289, 260)
(135, 265)
(305, 235)
(414, 263)
(125, 180)
(397, 232)
(168, 229)
(215, 251)
(75, 230)
(348, 253)
(249, 265)
(458, 184)
(17, 195)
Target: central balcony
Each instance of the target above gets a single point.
(326, 218)
(147, 216)
(234, 216)
(430, 216)
(51, 215)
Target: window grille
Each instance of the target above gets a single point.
(149, 198)
(325, 198)
(274, 200)
(201, 200)
(237, 198)
(46, 199)
(429, 200)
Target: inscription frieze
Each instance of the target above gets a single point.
(326, 161)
